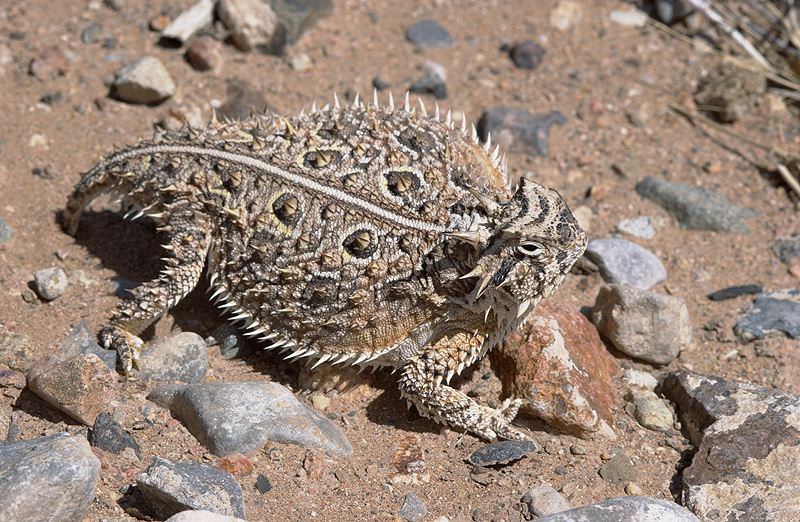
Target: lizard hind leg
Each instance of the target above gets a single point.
(188, 246)
(423, 385)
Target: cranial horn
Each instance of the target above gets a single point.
(475, 272)
(484, 201)
(473, 237)
(482, 285)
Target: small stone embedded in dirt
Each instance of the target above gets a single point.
(205, 54)
(566, 15)
(236, 464)
(91, 33)
(428, 33)
(413, 509)
(748, 444)
(50, 283)
(263, 484)
(49, 63)
(109, 435)
(202, 515)
(251, 23)
(79, 386)
(502, 452)
(734, 291)
(628, 18)
(182, 357)
(517, 130)
(240, 417)
(625, 509)
(618, 469)
(624, 262)
(231, 341)
(544, 500)
(16, 350)
(728, 91)
(242, 101)
(558, 364)
(81, 340)
(145, 81)
(646, 325)
(170, 487)
(649, 410)
(772, 312)
(47, 478)
(6, 232)
(786, 249)
(434, 82)
(641, 227)
(695, 208)
(527, 54)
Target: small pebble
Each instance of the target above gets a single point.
(50, 283)
(649, 410)
(735, 291)
(145, 81)
(544, 500)
(772, 312)
(527, 54)
(17, 350)
(502, 452)
(109, 435)
(49, 63)
(624, 262)
(577, 449)
(633, 489)
(263, 484)
(434, 82)
(231, 341)
(618, 469)
(301, 62)
(413, 509)
(6, 232)
(205, 54)
(628, 18)
(428, 33)
(182, 357)
(91, 33)
(641, 227)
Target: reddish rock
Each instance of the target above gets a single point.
(205, 53)
(79, 386)
(236, 464)
(314, 465)
(558, 362)
(49, 63)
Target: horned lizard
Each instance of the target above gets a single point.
(354, 234)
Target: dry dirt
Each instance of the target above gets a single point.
(614, 83)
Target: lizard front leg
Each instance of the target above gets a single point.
(188, 245)
(423, 384)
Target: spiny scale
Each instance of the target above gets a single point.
(353, 234)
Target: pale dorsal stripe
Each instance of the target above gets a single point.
(243, 159)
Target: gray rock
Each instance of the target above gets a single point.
(16, 350)
(544, 500)
(79, 386)
(784, 249)
(109, 435)
(694, 208)
(734, 291)
(269, 27)
(170, 487)
(624, 262)
(772, 312)
(434, 82)
(502, 452)
(527, 54)
(201, 515)
(625, 509)
(618, 469)
(91, 33)
(518, 130)
(231, 342)
(428, 33)
(144, 81)
(50, 283)
(748, 447)
(47, 478)
(628, 18)
(641, 227)
(413, 509)
(6, 232)
(82, 341)
(649, 410)
(182, 357)
(646, 325)
(240, 417)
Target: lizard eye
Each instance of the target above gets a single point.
(531, 250)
